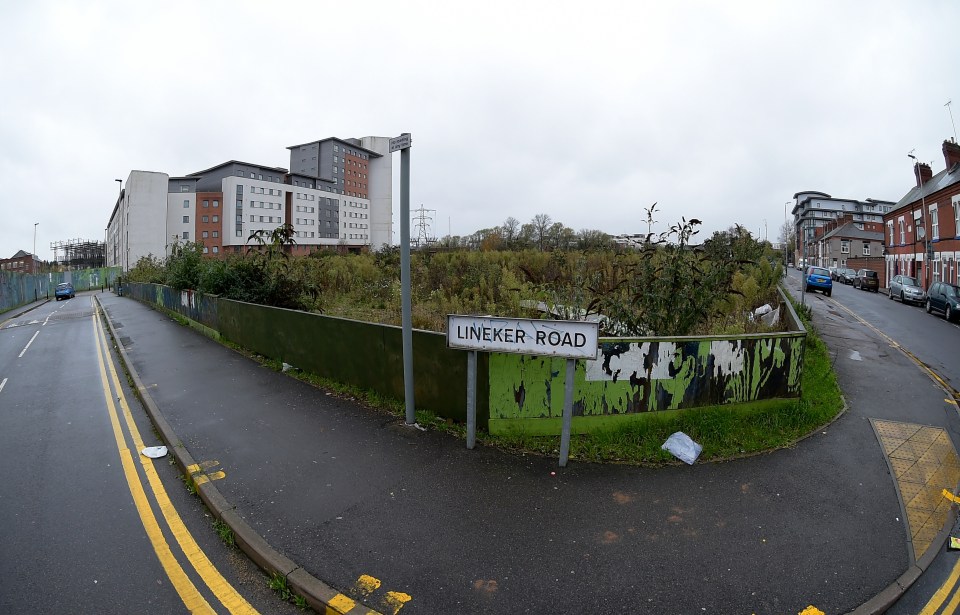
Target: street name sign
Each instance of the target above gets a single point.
(556, 338)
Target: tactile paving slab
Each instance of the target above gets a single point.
(924, 463)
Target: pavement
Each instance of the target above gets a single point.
(364, 514)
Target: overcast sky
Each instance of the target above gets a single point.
(585, 111)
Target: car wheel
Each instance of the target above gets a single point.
(901, 298)
(829, 292)
(929, 309)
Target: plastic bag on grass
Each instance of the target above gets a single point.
(682, 447)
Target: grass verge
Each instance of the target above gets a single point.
(725, 432)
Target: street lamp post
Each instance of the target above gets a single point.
(785, 242)
(33, 264)
(926, 227)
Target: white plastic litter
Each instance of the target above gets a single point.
(287, 367)
(154, 452)
(763, 309)
(682, 447)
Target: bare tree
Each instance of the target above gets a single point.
(511, 226)
(541, 223)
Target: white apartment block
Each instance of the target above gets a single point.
(336, 194)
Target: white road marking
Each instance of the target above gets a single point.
(855, 355)
(28, 344)
(2, 384)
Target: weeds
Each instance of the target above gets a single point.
(225, 533)
(189, 483)
(278, 583)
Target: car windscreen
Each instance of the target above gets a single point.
(950, 290)
(908, 281)
(869, 274)
(818, 271)
(62, 286)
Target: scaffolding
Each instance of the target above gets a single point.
(79, 253)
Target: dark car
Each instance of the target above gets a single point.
(818, 278)
(867, 279)
(64, 291)
(907, 290)
(833, 272)
(945, 298)
(846, 276)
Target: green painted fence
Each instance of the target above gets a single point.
(632, 378)
(362, 354)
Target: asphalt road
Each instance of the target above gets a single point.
(934, 342)
(71, 537)
(345, 492)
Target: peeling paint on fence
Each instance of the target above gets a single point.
(633, 376)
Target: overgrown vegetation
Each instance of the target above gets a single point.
(666, 286)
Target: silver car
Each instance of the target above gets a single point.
(907, 290)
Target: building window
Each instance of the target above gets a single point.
(204, 234)
(216, 234)
(216, 249)
(844, 246)
(866, 249)
(184, 188)
(239, 232)
(206, 203)
(186, 234)
(903, 237)
(186, 219)
(186, 204)
(205, 218)
(890, 226)
(204, 249)
(216, 218)
(956, 216)
(934, 223)
(216, 203)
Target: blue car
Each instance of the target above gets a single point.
(818, 278)
(64, 291)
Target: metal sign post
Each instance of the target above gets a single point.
(557, 338)
(402, 143)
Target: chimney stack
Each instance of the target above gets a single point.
(922, 172)
(951, 153)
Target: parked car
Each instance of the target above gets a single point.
(818, 278)
(833, 272)
(64, 291)
(846, 276)
(867, 279)
(944, 297)
(907, 290)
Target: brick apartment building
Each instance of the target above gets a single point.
(816, 214)
(335, 193)
(922, 231)
(21, 262)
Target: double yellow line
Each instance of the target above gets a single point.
(191, 596)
